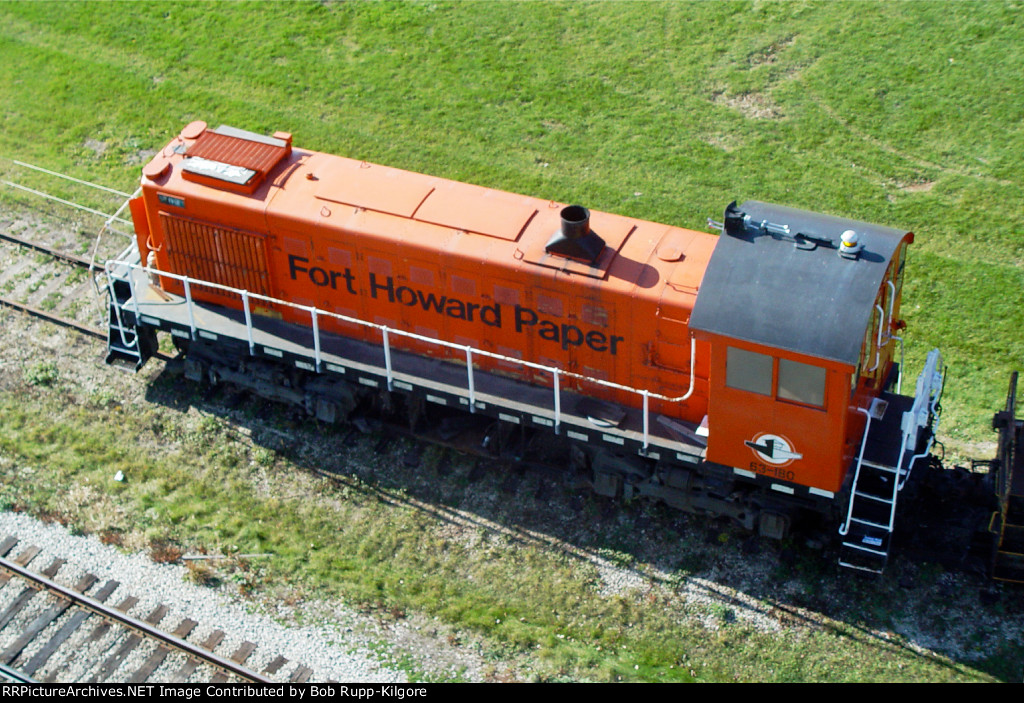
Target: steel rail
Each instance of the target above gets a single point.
(65, 322)
(145, 628)
(50, 317)
(13, 675)
(70, 258)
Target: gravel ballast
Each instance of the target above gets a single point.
(333, 650)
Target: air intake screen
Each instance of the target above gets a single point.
(216, 254)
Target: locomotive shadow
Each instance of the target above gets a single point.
(523, 500)
(636, 548)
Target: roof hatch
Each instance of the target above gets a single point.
(234, 159)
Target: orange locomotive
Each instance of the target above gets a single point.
(747, 374)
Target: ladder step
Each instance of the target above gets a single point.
(869, 523)
(1012, 540)
(871, 496)
(880, 467)
(125, 333)
(861, 548)
(859, 567)
(1009, 567)
(1015, 509)
(855, 556)
(123, 351)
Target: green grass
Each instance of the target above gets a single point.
(190, 486)
(905, 114)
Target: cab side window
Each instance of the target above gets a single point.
(801, 382)
(748, 371)
(781, 379)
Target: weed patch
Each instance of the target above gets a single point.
(44, 373)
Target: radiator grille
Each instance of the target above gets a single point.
(217, 254)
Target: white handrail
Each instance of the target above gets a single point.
(411, 335)
(315, 313)
(845, 527)
(878, 341)
(120, 323)
(890, 335)
(899, 376)
(927, 396)
(892, 298)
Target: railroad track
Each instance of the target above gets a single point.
(51, 317)
(46, 281)
(76, 293)
(72, 259)
(51, 633)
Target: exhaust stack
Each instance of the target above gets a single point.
(575, 239)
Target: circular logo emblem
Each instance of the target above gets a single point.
(773, 449)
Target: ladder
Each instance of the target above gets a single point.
(887, 455)
(129, 344)
(867, 533)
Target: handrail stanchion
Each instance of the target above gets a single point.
(845, 527)
(558, 403)
(188, 306)
(469, 371)
(131, 291)
(646, 395)
(878, 342)
(387, 356)
(248, 322)
(316, 342)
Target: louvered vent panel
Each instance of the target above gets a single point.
(217, 254)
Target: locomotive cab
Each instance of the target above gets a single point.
(790, 314)
(801, 311)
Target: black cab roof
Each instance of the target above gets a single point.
(776, 278)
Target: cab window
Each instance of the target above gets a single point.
(781, 379)
(802, 383)
(748, 371)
